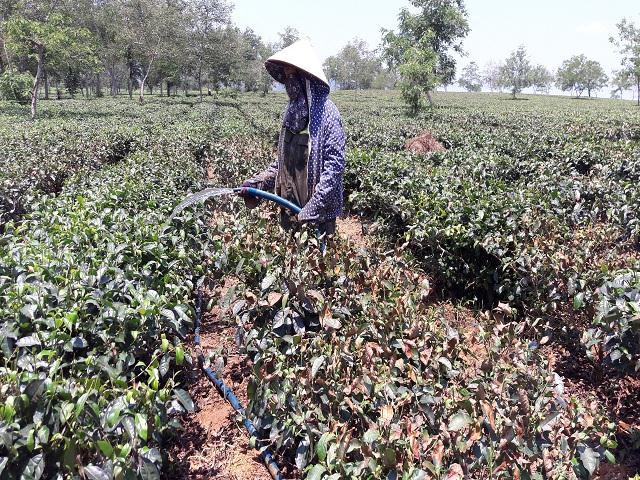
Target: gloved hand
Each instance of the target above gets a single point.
(250, 201)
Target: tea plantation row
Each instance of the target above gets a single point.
(357, 372)
(95, 293)
(536, 208)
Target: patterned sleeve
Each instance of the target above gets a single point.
(331, 176)
(265, 180)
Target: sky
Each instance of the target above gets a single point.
(551, 30)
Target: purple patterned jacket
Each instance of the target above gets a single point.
(326, 158)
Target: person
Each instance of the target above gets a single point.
(311, 144)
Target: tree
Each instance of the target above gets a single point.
(288, 37)
(628, 42)
(233, 58)
(622, 80)
(442, 24)
(354, 67)
(579, 74)
(50, 38)
(515, 73)
(470, 79)
(15, 86)
(253, 61)
(7, 9)
(152, 31)
(265, 81)
(136, 43)
(491, 76)
(384, 80)
(541, 79)
(418, 74)
(206, 18)
(594, 77)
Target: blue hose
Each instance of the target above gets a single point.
(254, 192)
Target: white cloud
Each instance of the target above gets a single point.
(593, 28)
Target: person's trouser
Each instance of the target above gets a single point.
(325, 230)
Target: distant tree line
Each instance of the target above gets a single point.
(577, 74)
(108, 47)
(357, 67)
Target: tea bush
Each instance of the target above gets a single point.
(357, 375)
(96, 301)
(617, 321)
(522, 213)
(95, 298)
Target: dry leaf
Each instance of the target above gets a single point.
(273, 298)
(455, 472)
(386, 415)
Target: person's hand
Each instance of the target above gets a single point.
(300, 219)
(250, 201)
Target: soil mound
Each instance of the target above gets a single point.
(424, 143)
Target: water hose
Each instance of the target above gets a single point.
(265, 454)
(254, 192)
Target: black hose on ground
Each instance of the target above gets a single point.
(227, 393)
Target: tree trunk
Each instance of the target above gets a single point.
(36, 83)
(2, 60)
(430, 98)
(98, 86)
(200, 82)
(45, 79)
(130, 80)
(115, 81)
(150, 89)
(638, 88)
(168, 88)
(161, 93)
(144, 79)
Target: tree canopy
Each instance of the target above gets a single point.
(354, 67)
(628, 43)
(417, 71)
(516, 72)
(438, 28)
(471, 80)
(99, 47)
(579, 74)
(541, 79)
(49, 40)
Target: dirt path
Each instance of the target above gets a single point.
(351, 228)
(214, 444)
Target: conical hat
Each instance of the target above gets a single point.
(301, 55)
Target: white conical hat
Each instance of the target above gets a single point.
(301, 55)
